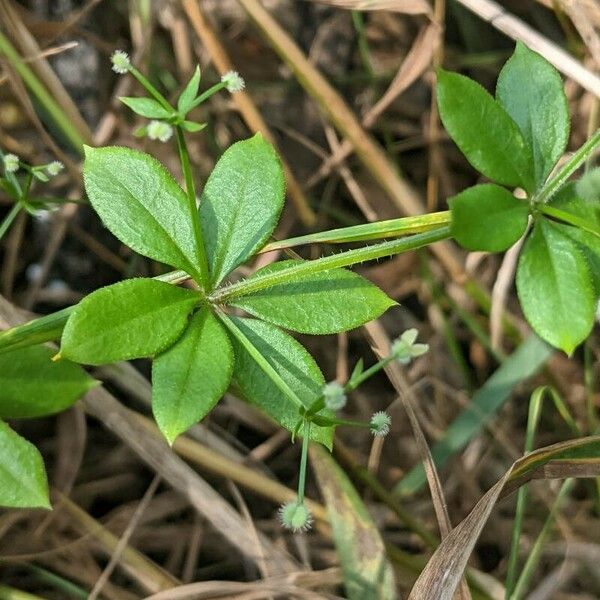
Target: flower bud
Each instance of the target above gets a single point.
(54, 168)
(159, 130)
(233, 81)
(120, 62)
(335, 398)
(404, 348)
(11, 163)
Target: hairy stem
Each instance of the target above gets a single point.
(583, 154)
(343, 259)
(10, 217)
(193, 208)
(262, 362)
(392, 228)
(303, 461)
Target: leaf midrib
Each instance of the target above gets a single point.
(143, 315)
(159, 189)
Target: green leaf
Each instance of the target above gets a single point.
(485, 404)
(34, 386)
(184, 104)
(368, 574)
(485, 133)
(192, 126)
(130, 319)
(531, 91)
(293, 364)
(325, 302)
(555, 288)
(23, 482)
(568, 200)
(588, 187)
(146, 107)
(241, 203)
(191, 376)
(487, 217)
(142, 205)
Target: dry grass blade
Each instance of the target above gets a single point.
(244, 103)
(517, 29)
(409, 7)
(582, 17)
(148, 575)
(293, 585)
(332, 103)
(116, 555)
(29, 47)
(367, 572)
(413, 66)
(396, 377)
(406, 199)
(153, 450)
(441, 576)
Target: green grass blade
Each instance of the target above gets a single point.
(535, 410)
(533, 558)
(486, 402)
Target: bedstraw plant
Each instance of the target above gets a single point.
(217, 332)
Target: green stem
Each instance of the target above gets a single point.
(569, 218)
(535, 410)
(391, 228)
(193, 208)
(303, 461)
(568, 169)
(8, 220)
(260, 360)
(343, 259)
(369, 373)
(535, 553)
(207, 94)
(145, 83)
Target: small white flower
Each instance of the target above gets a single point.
(54, 168)
(159, 130)
(233, 81)
(335, 398)
(11, 163)
(120, 62)
(404, 348)
(295, 516)
(380, 424)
